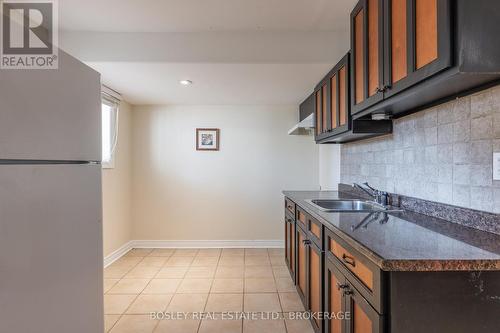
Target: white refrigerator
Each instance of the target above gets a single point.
(50, 200)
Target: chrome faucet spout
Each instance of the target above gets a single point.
(362, 188)
(380, 197)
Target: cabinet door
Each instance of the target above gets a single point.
(301, 274)
(334, 300)
(292, 250)
(339, 84)
(315, 294)
(363, 318)
(287, 241)
(318, 112)
(325, 109)
(343, 98)
(367, 65)
(334, 101)
(290, 245)
(417, 40)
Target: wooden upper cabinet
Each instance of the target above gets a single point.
(324, 107)
(426, 32)
(418, 42)
(318, 112)
(367, 53)
(374, 47)
(322, 110)
(342, 95)
(334, 91)
(359, 51)
(333, 101)
(396, 44)
(399, 39)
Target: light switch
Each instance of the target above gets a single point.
(496, 166)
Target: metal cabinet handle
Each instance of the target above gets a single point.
(348, 292)
(342, 286)
(383, 89)
(349, 260)
(306, 242)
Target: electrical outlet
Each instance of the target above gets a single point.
(496, 166)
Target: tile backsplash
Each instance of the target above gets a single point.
(443, 154)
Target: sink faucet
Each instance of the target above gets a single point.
(380, 197)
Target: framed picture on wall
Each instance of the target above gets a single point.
(207, 139)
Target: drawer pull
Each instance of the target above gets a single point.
(306, 242)
(348, 260)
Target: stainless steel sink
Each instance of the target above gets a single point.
(346, 205)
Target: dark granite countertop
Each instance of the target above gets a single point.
(407, 241)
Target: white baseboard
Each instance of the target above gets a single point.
(198, 244)
(206, 244)
(108, 260)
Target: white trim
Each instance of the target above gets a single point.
(203, 244)
(111, 93)
(197, 244)
(108, 260)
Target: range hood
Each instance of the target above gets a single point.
(305, 127)
(306, 118)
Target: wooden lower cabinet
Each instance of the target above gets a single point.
(315, 279)
(348, 311)
(310, 276)
(322, 281)
(301, 274)
(334, 299)
(363, 318)
(290, 236)
(290, 244)
(287, 241)
(355, 296)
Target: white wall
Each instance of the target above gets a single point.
(234, 194)
(117, 190)
(329, 167)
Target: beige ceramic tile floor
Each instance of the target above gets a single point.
(200, 281)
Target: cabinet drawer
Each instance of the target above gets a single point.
(351, 262)
(302, 218)
(364, 274)
(290, 206)
(314, 228)
(315, 231)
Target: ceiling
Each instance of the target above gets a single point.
(213, 84)
(235, 51)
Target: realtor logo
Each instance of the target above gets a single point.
(29, 34)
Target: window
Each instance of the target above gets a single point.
(109, 132)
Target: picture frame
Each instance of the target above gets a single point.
(207, 139)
